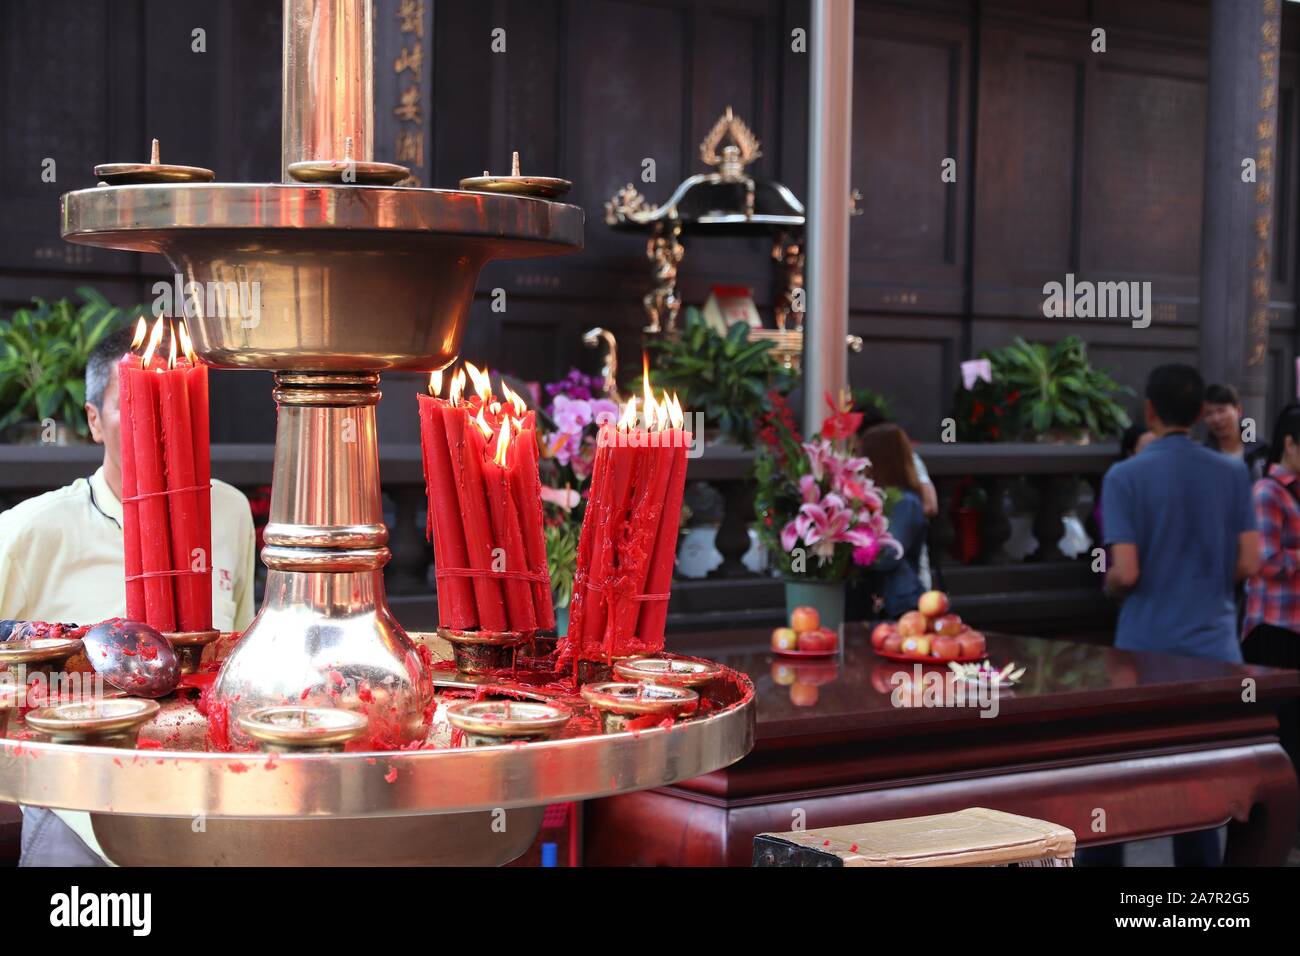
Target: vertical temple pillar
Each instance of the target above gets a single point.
(830, 112)
(1237, 216)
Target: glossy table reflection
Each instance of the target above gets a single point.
(1117, 746)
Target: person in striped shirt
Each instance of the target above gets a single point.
(1271, 629)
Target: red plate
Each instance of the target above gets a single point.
(927, 659)
(830, 653)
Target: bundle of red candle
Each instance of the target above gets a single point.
(629, 534)
(485, 508)
(166, 481)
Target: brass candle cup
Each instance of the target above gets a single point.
(190, 646)
(112, 722)
(619, 702)
(490, 723)
(668, 671)
(479, 652)
(293, 729)
(39, 655)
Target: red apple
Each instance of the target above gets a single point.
(949, 625)
(805, 619)
(893, 644)
(946, 647)
(881, 632)
(912, 624)
(972, 644)
(933, 604)
(820, 639)
(784, 639)
(916, 645)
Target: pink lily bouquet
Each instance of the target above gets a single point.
(818, 511)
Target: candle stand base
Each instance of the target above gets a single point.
(479, 652)
(190, 646)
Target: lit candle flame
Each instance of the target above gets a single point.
(457, 391)
(481, 380)
(628, 418)
(171, 348)
(141, 330)
(483, 426)
(435, 382)
(155, 339)
(187, 344)
(519, 405)
(675, 413)
(503, 441)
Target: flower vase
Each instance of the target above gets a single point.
(826, 596)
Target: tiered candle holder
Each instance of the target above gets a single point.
(322, 255)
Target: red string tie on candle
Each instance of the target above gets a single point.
(133, 499)
(489, 573)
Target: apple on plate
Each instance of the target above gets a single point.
(933, 604)
(784, 639)
(893, 644)
(912, 624)
(880, 632)
(818, 640)
(949, 625)
(917, 645)
(805, 619)
(946, 647)
(972, 644)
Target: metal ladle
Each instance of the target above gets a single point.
(133, 657)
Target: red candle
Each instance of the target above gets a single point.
(507, 538)
(135, 602)
(629, 535)
(456, 607)
(196, 385)
(465, 443)
(654, 613)
(166, 487)
(141, 426)
(482, 483)
(526, 488)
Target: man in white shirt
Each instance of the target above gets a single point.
(61, 560)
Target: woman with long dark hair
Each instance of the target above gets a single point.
(892, 585)
(1271, 630)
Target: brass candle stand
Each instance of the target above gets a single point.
(352, 279)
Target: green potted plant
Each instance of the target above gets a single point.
(727, 377)
(1041, 392)
(43, 354)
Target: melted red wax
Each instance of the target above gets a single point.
(364, 694)
(144, 743)
(853, 848)
(237, 767)
(391, 776)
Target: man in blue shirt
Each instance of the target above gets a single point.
(1180, 524)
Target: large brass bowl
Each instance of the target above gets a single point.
(346, 278)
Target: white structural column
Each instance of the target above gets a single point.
(830, 112)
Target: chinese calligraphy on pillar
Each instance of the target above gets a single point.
(403, 70)
(1265, 137)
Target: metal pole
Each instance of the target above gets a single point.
(328, 82)
(830, 112)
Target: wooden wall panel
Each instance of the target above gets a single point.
(1067, 161)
